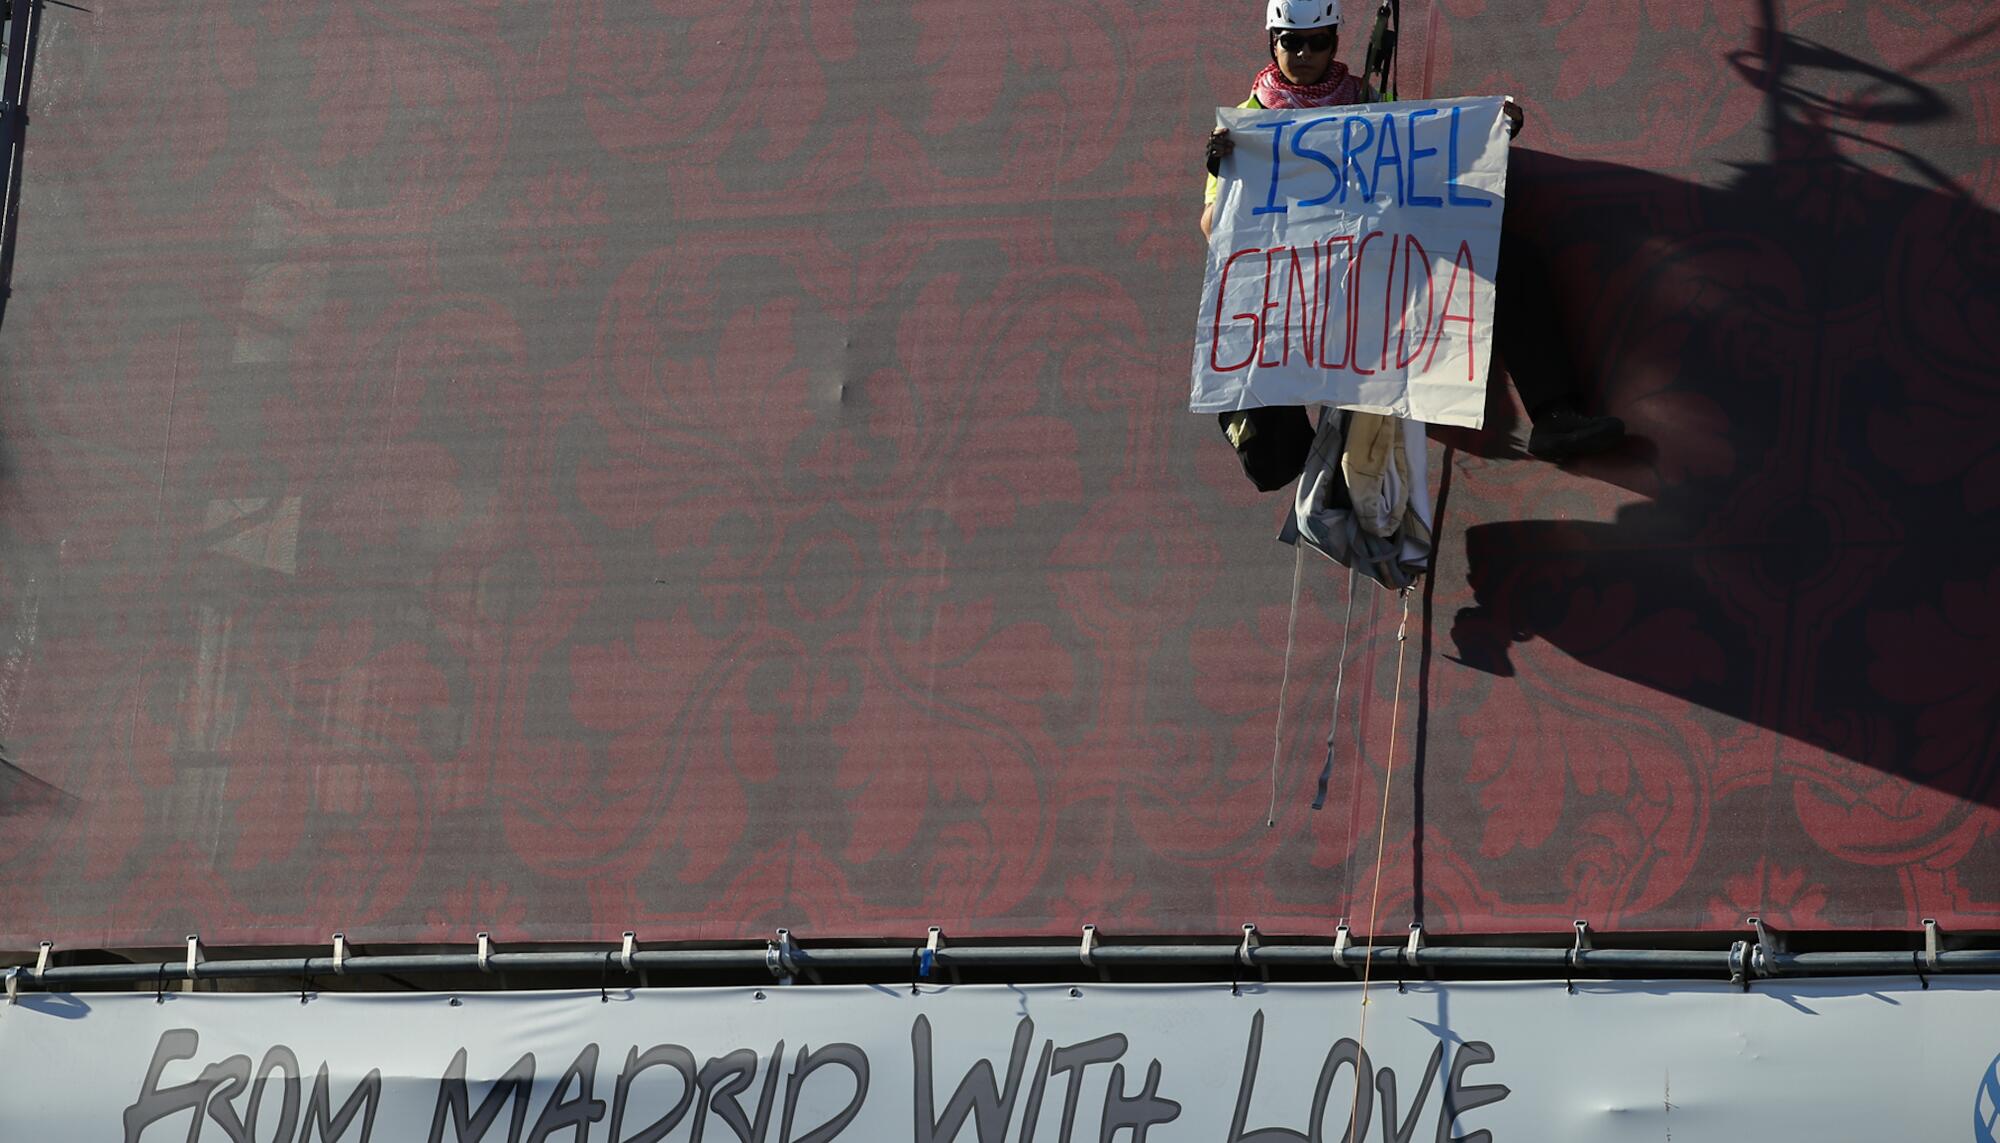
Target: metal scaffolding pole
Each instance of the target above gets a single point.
(784, 960)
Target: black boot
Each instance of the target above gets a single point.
(1566, 431)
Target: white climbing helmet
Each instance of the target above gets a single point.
(1303, 14)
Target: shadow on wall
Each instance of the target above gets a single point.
(23, 28)
(1810, 355)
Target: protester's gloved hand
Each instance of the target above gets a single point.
(1515, 116)
(1219, 147)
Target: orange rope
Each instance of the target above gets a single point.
(1381, 844)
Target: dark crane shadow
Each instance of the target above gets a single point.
(23, 31)
(1810, 357)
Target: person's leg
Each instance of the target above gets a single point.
(1538, 358)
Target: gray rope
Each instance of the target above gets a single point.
(1278, 731)
(1339, 676)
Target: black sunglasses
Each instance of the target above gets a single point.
(1300, 44)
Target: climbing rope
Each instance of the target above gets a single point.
(1278, 731)
(1339, 676)
(1353, 829)
(1381, 847)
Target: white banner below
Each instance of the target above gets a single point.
(1801, 1061)
(1351, 260)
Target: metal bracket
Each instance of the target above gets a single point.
(1246, 957)
(1766, 935)
(627, 950)
(927, 957)
(14, 985)
(1739, 964)
(778, 957)
(1415, 942)
(42, 959)
(1769, 941)
(339, 954)
(194, 958)
(485, 952)
(1088, 947)
(1246, 953)
(1343, 939)
(1933, 943)
(1582, 943)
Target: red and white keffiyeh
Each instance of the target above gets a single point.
(1340, 86)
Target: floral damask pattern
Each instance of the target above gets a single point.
(474, 466)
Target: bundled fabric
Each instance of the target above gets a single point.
(1375, 465)
(1364, 498)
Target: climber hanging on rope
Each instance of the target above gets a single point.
(1273, 442)
(1363, 493)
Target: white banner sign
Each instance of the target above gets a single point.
(1170, 1064)
(1351, 260)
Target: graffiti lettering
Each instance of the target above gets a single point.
(814, 1095)
(1355, 1101)
(213, 1093)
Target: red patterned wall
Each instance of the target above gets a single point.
(478, 465)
